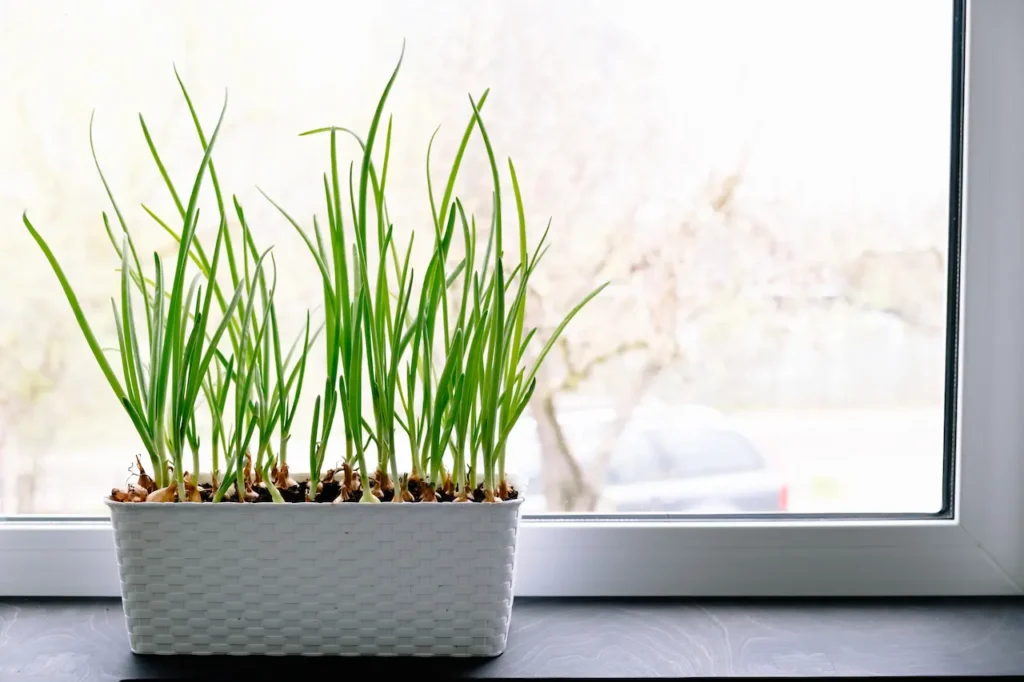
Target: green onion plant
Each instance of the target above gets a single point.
(441, 353)
(453, 375)
(159, 387)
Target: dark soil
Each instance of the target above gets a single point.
(329, 492)
(415, 488)
(297, 493)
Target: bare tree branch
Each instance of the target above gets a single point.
(577, 375)
(573, 481)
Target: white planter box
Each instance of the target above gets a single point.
(317, 579)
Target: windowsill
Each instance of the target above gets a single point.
(86, 639)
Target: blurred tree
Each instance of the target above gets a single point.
(650, 303)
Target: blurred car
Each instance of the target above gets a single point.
(680, 459)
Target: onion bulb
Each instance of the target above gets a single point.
(191, 491)
(247, 471)
(375, 489)
(283, 480)
(403, 494)
(384, 482)
(167, 494)
(145, 482)
(138, 491)
(349, 481)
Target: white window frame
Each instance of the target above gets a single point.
(980, 550)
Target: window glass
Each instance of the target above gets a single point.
(764, 183)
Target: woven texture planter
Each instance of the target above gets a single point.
(317, 579)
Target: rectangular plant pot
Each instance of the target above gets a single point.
(317, 579)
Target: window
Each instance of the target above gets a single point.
(804, 377)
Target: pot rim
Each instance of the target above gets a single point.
(429, 507)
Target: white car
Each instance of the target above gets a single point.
(669, 459)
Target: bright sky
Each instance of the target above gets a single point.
(837, 100)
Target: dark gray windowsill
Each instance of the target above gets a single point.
(85, 639)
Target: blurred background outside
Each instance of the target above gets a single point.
(764, 183)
